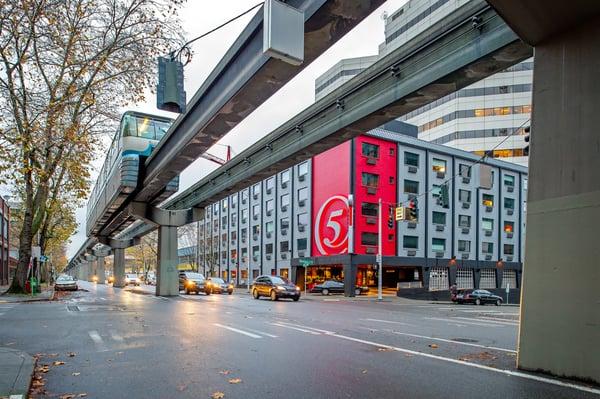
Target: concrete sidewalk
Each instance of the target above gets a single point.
(16, 370)
(45, 295)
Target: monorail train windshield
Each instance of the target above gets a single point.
(144, 126)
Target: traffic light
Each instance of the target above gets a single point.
(445, 195)
(391, 217)
(527, 136)
(413, 210)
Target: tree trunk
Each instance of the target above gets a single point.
(25, 241)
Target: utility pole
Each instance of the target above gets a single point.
(379, 253)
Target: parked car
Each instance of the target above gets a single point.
(193, 282)
(275, 287)
(132, 279)
(478, 297)
(219, 286)
(151, 279)
(64, 282)
(335, 287)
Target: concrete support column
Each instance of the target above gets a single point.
(476, 278)
(560, 316)
(100, 270)
(167, 277)
(349, 278)
(119, 267)
(425, 273)
(90, 261)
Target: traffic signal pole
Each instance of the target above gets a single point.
(380, 254)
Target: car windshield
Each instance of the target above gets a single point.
(196, 276)
(65, 278)
(217, 280)
(279, 280)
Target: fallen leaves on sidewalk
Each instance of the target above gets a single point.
(235, 380)
(364, 371)
(75, 374)
(224, 372)
(58, 363)
(383, 349)
(71, 354)
(478, 356)
(82, 395)
(217, 395)
(44, 368)
(433, 346)
(67, 396)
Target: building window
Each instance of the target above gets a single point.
(303, 169)
(410, 242)
(244, 215)
(302, 219)
(411, 159)
(224, 221)
(369, 238)
(370, 150)
(285, 177)
(285, 223)
(509, 227)
(464, 221)
(256, 210)
(302, 244)
(256, 189)
(256, 231)
(464, 196)
(439, 218)
(270, 205)
(224, 238)
(233, 236)
(464, 246)
(370, 180)
(244, 234)
(411, 187)
(438, 165)
(269, 227)
(284, 246)
(369, 209)
(464, 170)
(270, 184)
(487, 247)
(234, 200)
(269, 249)
(303, 194)
(233, 255)
(509, 203)
(285, 200)
(255, 251)
(509, 180)
(215, 225)
(487, 224)
(244, 196)
(223, 255)
(224, 205)
(487, 200)
(438, 244)
(509, 249)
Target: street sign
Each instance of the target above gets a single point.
(43, 258)
(378, 258)
(306, 262)
(400, 213)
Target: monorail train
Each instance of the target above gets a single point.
(136, 138)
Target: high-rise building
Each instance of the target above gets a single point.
(477, 118)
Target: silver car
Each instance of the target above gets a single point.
(65, 282)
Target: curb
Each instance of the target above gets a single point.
(17, 370)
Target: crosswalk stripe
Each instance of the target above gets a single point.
(249, 334)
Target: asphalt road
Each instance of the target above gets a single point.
(131, 344)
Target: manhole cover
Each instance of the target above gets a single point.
(466, 340)
(73, 308)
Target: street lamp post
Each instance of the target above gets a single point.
(379, 254)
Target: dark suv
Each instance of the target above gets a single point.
(275, 287)
(193, 282)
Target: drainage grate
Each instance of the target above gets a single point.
(73, 308)
(466, 340)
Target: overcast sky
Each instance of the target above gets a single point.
(201, 16)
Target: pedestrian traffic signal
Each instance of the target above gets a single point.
(527, 136)
(390, 222)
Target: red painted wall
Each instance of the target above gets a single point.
(385, 166)
(330, 211)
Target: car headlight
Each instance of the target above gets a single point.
(281, 288)
(297, 288)
(190, 282)
(230, 286)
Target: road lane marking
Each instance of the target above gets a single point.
(249, 334)
(480, 319)
(114, 335)
(296, 328)
(455, 342)
(307, 327)
(262, 332)
(499, 319)
(450, 320)
(475, 365)
(97, 340)
(389, 322)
